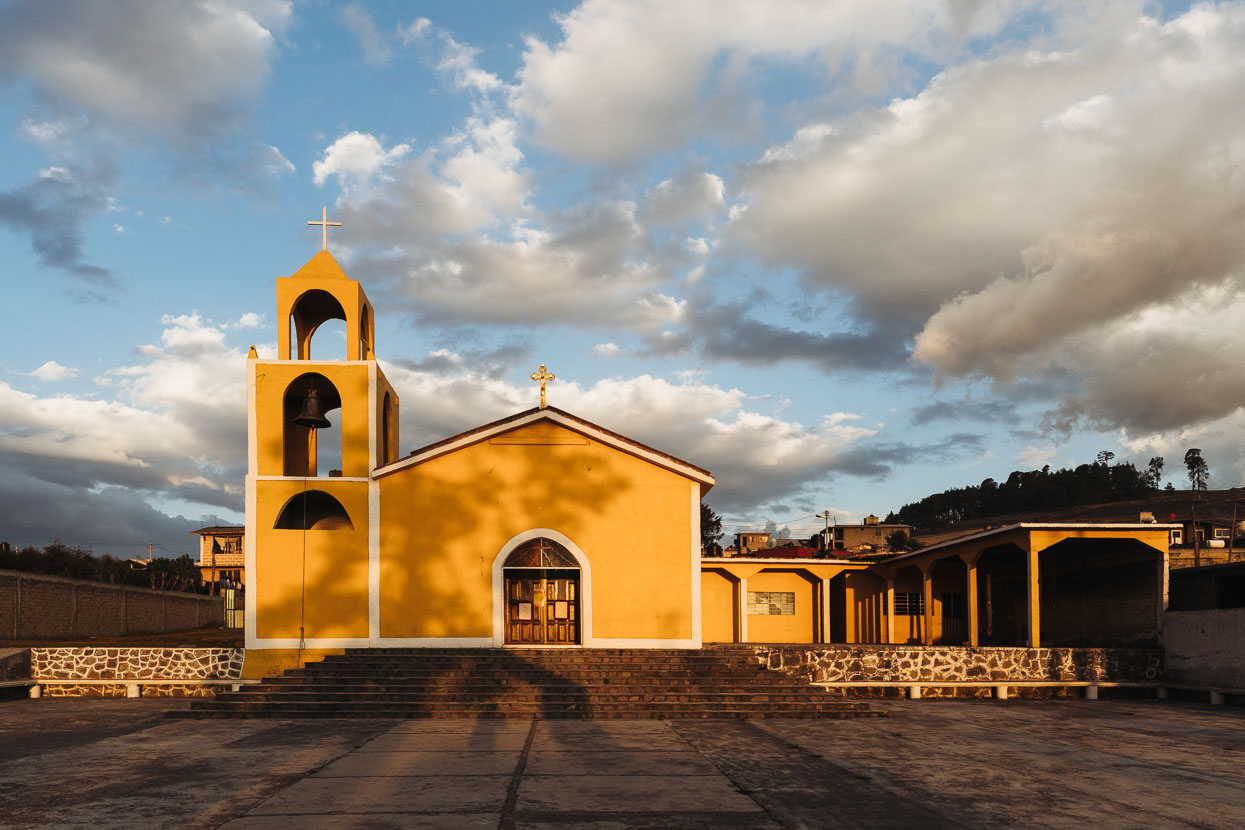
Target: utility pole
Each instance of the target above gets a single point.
(149, 551)
(1232, 533)
(825, 537)
(1197, 549)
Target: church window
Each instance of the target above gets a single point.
(907, 604)
(771, 603)
(540, 553)
(313, 510)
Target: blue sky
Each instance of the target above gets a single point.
(841, 257)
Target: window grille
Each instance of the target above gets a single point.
(771, 603)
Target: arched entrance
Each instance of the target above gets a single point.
(541, 584)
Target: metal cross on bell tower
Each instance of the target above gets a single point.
(543, 375)
(325, 224)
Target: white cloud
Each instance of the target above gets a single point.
(53, 371)
(694, 196)
(628, 76)
(414, 30)
(755, 457)
(1033, 457)
(376, 50)
(606, 350)
(459, 60)
(249, 320)
(171, 67)
(357, 160)
(1023, 209)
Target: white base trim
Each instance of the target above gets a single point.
(379, 642)
(461, 642)
(623, 642)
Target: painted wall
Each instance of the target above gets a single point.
(1206, 647)
(799, 627)
(352, 423)
(719, 613)
(444, 521)
(862, 602)
(314, 578)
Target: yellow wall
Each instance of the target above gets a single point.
(272, 378)
(719, 607)
(271, 662)
(332, 597)
(444, 521)
(864, 592)
(792, 628)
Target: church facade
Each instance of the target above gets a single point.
(544, 529)
(540, 529)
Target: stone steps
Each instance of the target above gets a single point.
(544, 683)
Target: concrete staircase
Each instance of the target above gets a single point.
(530, 683)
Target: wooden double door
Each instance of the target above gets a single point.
(542, 606)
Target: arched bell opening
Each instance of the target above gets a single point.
(310, 311)
(312, 441)
(541, 580)
(367, 345)
(386, 425)
(313, 510)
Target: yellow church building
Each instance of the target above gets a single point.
(544, 529)
(538, 529)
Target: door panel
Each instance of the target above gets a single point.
(542, 607)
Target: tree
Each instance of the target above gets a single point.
(900, 540)
(710, 530)
(1154, 474)
(1198, 471)
(1104, 457)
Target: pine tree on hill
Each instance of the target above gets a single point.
(1044, 489)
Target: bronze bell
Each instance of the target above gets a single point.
(312, 416)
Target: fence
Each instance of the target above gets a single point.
(40, 607)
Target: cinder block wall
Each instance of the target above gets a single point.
(39, 607)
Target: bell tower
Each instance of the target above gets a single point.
(322, 418)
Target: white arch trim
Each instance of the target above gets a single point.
(499, 585)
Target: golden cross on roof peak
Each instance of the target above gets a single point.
(325, 224)
(542, 375)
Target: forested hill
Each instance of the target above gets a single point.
(1096, 483)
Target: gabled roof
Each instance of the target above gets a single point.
(563, 419)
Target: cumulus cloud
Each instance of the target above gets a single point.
(459, 61)
(756, 457)
(168, 428)
(628, 77)
(356, 160)
(53, 371)
(1026, 211)
(177, 68)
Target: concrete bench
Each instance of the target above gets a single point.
(1000, 686)
(134, 685)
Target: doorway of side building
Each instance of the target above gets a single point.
(541, 580)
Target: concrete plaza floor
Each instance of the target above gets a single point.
(933, 764)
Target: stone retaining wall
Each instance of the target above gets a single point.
(40, 607)
(926, 664)
(134, 664)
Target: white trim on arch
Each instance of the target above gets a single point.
(585, 583)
